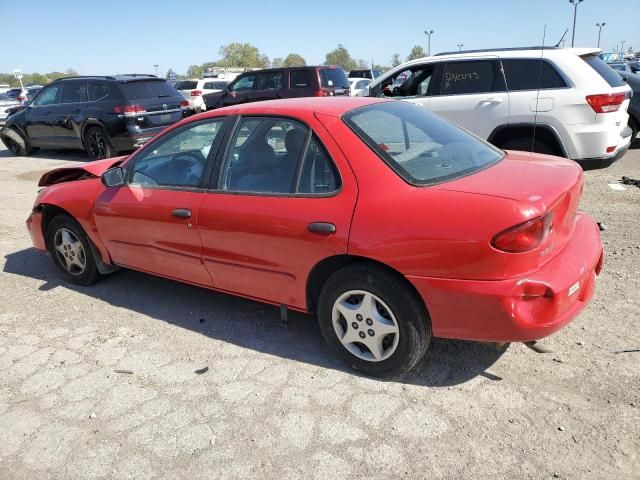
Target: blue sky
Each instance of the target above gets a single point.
(116, 36)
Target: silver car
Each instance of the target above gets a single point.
(7, 102)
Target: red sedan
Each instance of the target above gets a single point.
(390, 223)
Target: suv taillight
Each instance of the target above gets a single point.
(129, 110)
(196, 93)
(525, 236)
(323, 93)
(184, 104)
(606, 102)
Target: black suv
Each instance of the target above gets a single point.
(273, 83)
(104, 115)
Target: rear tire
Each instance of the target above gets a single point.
(365, 305)
(524, 144)
(71, 251)
(633, 125)
(98, 144)
(15, 142)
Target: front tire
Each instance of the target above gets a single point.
(98, 144)
(373, 321)
(15, 142)
(71, 251)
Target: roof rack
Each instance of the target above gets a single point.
(485, 50)
(108, 77)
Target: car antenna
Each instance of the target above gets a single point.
(561, 38)
(535, 116)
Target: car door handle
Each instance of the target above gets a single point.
(181, 213)
(323, 228)
(491, 100)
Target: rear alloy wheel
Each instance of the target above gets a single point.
(373, 321)
(15, 142)
(71, 251)
(97, 144)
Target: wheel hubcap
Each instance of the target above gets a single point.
(69, 251)
(365, 325)
(96, 145)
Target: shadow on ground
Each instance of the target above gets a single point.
(248, 324)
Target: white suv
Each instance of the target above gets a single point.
(575, 103)
(193, 90)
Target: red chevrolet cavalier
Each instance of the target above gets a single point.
(390, 223)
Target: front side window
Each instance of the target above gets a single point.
(476, 76)
(73, 92)
(263, 156)
(412, 82)
(244, 83)
(47, 96)
(531, 74)
(270, 81)
(178, 160)
(419, 146)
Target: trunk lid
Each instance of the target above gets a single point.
(160, 102)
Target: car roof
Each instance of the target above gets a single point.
(126, 77)
(333, 106)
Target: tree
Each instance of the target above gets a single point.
(340, 56)
(395, 60)
(362, 64)
(242, 55)
(171, 75)
(294, 60)
(277, 62)
(71, 72)
(416, 52)
(194, 71)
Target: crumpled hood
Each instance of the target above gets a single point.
(70, 174)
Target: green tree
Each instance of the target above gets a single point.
(416, 52)
(294, 60)
(277, 62)
(340, 56)
(395, 60)
(242, 55)
(194, 71)
(363, 64)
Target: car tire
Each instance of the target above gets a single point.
(98, 144)
(382, 311)
(524, 144)
(71, 251)
(15, 142)
(633, 125)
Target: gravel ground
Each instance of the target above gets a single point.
(273, 404)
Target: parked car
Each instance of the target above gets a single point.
(634, 106)
(4, 87)
(366, 73)
(6, 105)
(102, 114)
(273, 83)
(392, 224)
(193, 90)
(356, 85)
(634, 65)
(623, 67)
(573, 101)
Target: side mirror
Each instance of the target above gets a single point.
(114, 177)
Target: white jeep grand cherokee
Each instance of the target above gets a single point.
(575, 102)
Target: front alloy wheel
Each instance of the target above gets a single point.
(70, 251)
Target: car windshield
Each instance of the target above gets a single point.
(419, 146)
(333, 77)
(186, 85)
(604, 70)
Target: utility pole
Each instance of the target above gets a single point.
(575, 14)
(156, 67)
(600, 25)
(622, 46)
(428, 33)
(460, 45)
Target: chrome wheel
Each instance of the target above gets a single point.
(70, 252)
(365, 325)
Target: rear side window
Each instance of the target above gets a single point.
(147, 89)
(318, 174)
(74, 92)
(186, 85)
(605, 71)
(477, 76)
(333, 77)
(531, 74)
(419, 146)
(300, 79)
(97, 91)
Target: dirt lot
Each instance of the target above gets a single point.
(273, 404)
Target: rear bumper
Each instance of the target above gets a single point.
(594, 144)
(135, 138)
(501, 311)
(34, 227)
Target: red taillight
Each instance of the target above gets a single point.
(606, 102)
(524, 237)
(323, 93)
(21, 98)
(184, 104)
(196, 93)
(129, 110)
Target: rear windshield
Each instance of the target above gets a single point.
(186, 85)
(604, 70)
(334, 75)
(360, 74)
(215, 86)
(421, 147)
(147, 89)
